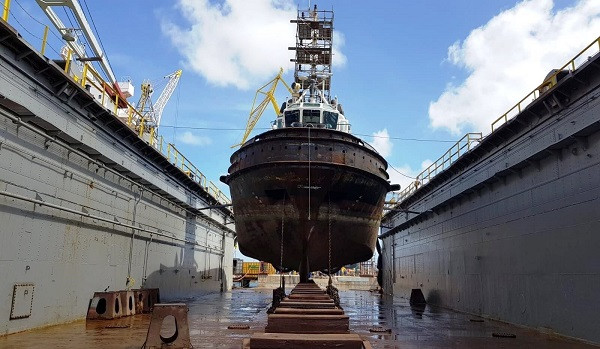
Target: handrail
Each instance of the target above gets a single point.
(110, 98)
(138, 122)
(543, 87)
(451, 156)
(464, 145)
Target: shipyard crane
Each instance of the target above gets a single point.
(153, 111)
(70, 35)
(268, 90)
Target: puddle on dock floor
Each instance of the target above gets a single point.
(209, 316)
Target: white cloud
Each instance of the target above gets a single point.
(508, 57)
(192, 139)
(338, 59)
(407, 174)
(382, 143)
(238, 43)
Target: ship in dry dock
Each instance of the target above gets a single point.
(308, 195)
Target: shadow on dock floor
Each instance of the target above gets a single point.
(209, 316)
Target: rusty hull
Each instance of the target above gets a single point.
(309, 179)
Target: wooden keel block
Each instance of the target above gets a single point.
(180, 338)
(309, 296)
(287, 299)
(310, 311)
(297, 323)
(307, 305)
(293, 341)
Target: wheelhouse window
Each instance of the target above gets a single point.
(291, 116)
(311, 116)
(330, 119)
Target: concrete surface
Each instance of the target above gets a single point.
(209, 316)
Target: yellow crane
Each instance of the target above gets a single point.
(268, 90)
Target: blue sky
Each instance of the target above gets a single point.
(428, 70)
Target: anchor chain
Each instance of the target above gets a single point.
(279, 293)
(331, 290)
(329, 238)
(281, 282)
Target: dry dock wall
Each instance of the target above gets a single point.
(80, 206)
(512, 230)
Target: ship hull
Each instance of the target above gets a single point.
(307, 200)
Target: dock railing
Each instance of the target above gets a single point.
(129, 115)
(465, 143)
(590, 50)
(459, 148)
(110, 98)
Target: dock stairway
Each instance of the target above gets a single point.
(307, 310)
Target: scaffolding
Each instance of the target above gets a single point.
(314, 49)
(367, 269)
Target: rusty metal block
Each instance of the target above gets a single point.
(145, 299)
(128, 302)
(181, 337)
(105, 305)
(153, 298)
(141, 296)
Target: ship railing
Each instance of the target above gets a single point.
(108, 96)
(463, 146)
(583, 56)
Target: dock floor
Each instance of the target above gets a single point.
(209, 316)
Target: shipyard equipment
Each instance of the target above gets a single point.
(152, 112)
(268, 90)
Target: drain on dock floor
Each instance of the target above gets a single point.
(504, 335)
(238, 327)
(380, 330)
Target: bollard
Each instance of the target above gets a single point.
(416, 297)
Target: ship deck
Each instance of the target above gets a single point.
(210, 315)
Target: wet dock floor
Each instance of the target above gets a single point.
(209, 316)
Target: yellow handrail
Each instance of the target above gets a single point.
(44, 40)
(455, 151)
(135, 119)
(449, 157)
(6, 10)
(547, 84)
(172, 154)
